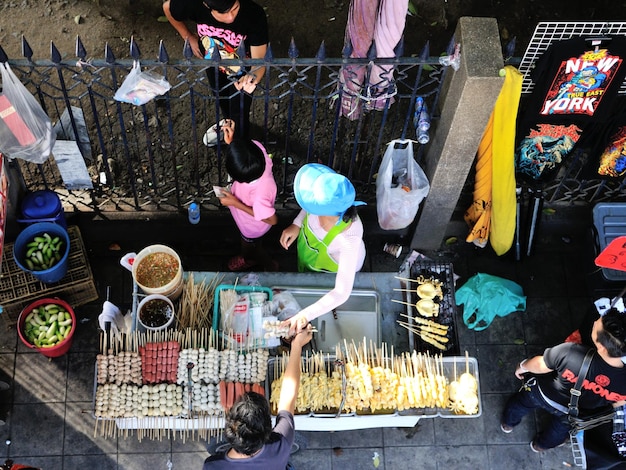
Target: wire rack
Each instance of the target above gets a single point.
(547, 33)
(444, 273)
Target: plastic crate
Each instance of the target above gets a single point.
(19, 288)
(609, 220)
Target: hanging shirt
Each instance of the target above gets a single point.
(576, 87)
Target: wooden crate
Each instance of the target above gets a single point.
(19, 288)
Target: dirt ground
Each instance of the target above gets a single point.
(309, 22)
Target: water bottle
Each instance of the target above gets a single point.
(421, 121)
(194, 213)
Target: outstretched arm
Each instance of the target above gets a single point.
(291, 376)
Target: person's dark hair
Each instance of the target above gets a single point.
(350, 214)
(248, 423)
(245, 161)
(220, 6)
(613, 333)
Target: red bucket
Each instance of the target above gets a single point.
(62, 346)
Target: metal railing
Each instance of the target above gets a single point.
(151, 157)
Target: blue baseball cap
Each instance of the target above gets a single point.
(321, 191)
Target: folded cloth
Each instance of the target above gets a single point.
(113, 315)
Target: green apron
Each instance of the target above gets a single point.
(312, 252)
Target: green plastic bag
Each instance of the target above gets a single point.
(485, 297)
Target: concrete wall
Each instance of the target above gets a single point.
(467, 100)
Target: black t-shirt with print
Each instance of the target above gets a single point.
(575, 90)
(603, 385)
(250, 26)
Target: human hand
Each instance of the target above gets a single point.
(303, 337)
(229, 130)
(295, 324)
(246, 83)
(227, 198)
(289, 235)
(195, 46)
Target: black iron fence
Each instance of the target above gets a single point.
(151, 156)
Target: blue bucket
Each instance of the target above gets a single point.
(26, 236)
(42, 206)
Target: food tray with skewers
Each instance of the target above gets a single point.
(428, 297)
(366, 387)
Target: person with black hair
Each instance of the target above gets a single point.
(224, 25)
(250, 199)
(548, 379)
(329, 235)
(254, 444)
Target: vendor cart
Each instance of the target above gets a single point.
(370, 315)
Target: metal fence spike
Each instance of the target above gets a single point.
(399, 49)
(347, 48)
(163, 55)
(293, 50)
(269, 53)
(135, 53)
(187, 52)
(80, 49)
(26, 49)
(321, 52)
(55, 55)
(425, 51)
(108, 54)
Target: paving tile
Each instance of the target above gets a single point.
(39, 379)
(314, 459)
(421, 435)
(410, 458)
(493, 406)
(496, 367)
(154, 459)
(81, 377)
(462, 457)
(81, 436)
(358, 438)
(48, 421)
(547, 321)
(362, 457)
(188, 460)
(514, 457)
(455, 431)
(100, 462)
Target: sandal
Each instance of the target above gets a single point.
(239, 263)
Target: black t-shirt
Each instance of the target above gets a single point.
(603, 385)
(575, 90)
(250, 26)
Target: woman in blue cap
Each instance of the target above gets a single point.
(329, 234)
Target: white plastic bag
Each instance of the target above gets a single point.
(401, 186)
(140, 87)
(25, 128)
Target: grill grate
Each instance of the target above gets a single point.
(444, 273)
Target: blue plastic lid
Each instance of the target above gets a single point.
(41, 204)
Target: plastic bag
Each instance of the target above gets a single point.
(485, 297)
(25, 128)
(401, 186)
(140, 87)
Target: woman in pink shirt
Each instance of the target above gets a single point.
(250, 199)
(329, 235)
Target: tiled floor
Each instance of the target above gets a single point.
(49, 407)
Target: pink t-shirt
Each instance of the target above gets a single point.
(259, 194)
